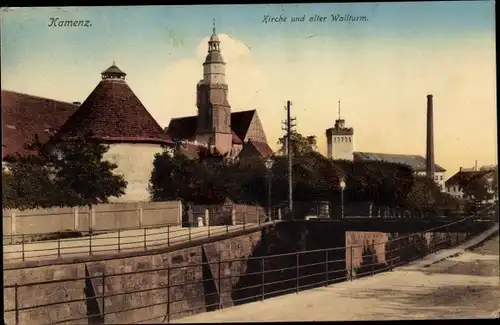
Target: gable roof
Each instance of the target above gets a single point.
(252, 148)
(240, 122)
(466, 176)
(25, 116)
(182, 127)
(417, 162)
(113, 113)
(185, 127)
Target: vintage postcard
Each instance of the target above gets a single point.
(163, 162)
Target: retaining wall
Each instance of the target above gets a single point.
(239, 259)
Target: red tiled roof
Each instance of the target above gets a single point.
(263, 148)
(112, 112)
(185, 127)
(26, 115)
(182, 127)
(250, 148)
(466, 176)
(236, 139)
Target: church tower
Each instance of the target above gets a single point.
(214, 111)
(340, 140)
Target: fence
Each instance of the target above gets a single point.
(99, 217)
(265, 277)
(115, 241)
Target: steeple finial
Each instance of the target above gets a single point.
(213, 23)
(339, 109)
(113, 62)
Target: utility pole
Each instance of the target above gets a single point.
(289, 125)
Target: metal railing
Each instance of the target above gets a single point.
(126, 239)
(262, 278)
(121, 240)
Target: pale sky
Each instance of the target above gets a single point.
(381, 69)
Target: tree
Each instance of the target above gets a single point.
(476, 189)
(301, 145)
(69, 173)
(494, 183)
(202, 180)
(28, 184)
(423, 195)
(81, 170)
(168, 175)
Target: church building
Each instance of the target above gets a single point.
(215, 126)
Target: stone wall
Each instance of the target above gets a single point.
(194, 273)
(241, 256)
(376, 251)
(185, 267)
(46, 293)
(181, 269)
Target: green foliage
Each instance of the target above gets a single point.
(301, 145)
(494, 183)
(212, 178)
(69, 173)
(177, 177)
(27, 184)
(424, 194)
(476, 189)
(379, 182)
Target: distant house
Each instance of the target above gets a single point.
(340, 145)
(416, 162)
(465, 175)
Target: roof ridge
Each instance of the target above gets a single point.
(393, 154)
(183, 117)
(39, 97)
(248, 110)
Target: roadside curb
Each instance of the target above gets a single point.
(451, 252)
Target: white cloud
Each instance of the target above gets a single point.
(179, 80)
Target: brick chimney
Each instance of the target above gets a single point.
(430, 166)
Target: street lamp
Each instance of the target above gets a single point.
(269, 165)
(342, 187)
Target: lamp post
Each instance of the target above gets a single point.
(342, 187)
(269, 165)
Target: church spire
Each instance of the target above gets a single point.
(213, 42)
